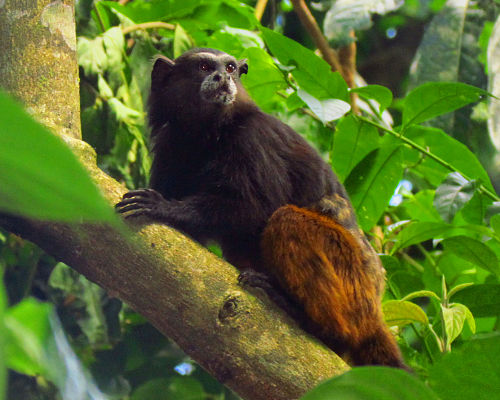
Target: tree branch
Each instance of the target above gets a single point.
(189, 294)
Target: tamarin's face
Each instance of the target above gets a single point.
(219, 75)
(210, 75)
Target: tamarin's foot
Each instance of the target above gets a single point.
(142, 202)
(251, 278)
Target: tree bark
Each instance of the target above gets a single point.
(189, 294)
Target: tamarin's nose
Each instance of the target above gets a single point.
(217, 77)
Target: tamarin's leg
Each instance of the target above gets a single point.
(322, 267)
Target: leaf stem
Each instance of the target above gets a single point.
(148, 25)
(483, 189)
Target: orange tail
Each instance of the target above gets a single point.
(325, 269)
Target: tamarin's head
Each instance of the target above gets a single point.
(199, 83)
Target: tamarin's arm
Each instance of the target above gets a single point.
(198, 214)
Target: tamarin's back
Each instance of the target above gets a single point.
(228, 172)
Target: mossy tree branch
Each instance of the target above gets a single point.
(189, 294)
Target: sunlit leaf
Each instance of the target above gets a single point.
(28, 330)
(326, 110)
(401, 313)
(380, 94)
(453, 318)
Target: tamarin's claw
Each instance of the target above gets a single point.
(147, 202)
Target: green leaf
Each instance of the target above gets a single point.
(419, 207)
(453, 319)
(91, 55)
(182, 41)
(493, 66)
(163, 10)
(344, 16)
(326, 110)
(452, 195)
(380, 94)
(473, 251)
(28, 330)
(401, 313)
(372, 183)
(264, 78)
(40, 177)
(353, 141)
(184, 388)
(436, 98)
(3, 339)
(495, 223)
(458, 288)
(438, 55)
(469, 372)
(451, 151)
(312, 73)
(421, 293)
(418, 232)
(88, 306)
(372, 383)
(474, 212)
(482, 300)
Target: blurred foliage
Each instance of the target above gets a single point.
(416, 162)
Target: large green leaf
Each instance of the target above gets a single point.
(264, 78)
(449, 150)
(142, 11)
(418, 232)
(326, 110)
(401, 313)
(483, 300)
(452, 195)
(469, 372)
(312, 73)
(437, 98)
(474, 251)
(28, 332)
(373, 182)
(39, 176)
(454, 318)
(353, 141)
(372, 383)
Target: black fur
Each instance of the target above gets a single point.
(222, 170)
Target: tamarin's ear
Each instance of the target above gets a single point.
(161, 68)
(243, 66)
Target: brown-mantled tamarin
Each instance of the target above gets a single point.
(223, 170)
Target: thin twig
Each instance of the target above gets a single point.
(149, 25)
(309, 22)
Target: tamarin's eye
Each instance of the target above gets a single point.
(204, 66)
(230, 68)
